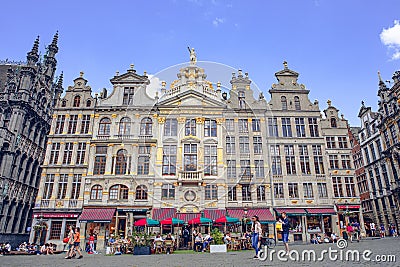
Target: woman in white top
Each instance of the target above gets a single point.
(257, 231)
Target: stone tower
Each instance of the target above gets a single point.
(28, 92)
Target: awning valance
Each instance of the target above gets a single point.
(55, 215)
(291, 211)
(97, 215)
(163, 213)
(320, 211)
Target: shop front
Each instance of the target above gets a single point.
(348, 214)
(320, 221)
(297, 218)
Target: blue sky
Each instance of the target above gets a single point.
(335, 45)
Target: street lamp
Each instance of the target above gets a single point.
(244, 220)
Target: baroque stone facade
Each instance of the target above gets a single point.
(196, 149)
(27, 96)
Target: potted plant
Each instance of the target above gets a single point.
(218, 245)
(141, 244)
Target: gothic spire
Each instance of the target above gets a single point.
(382, 85)
(60, 80)
(33, 55)
(55, 39)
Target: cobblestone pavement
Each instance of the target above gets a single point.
(386, 246)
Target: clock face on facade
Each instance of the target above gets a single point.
(190, 195)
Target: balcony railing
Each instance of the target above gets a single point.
(6, 134)
(246, 177)
(73, 203)
(44, 203)
(188, 176)
(124, 136)
(145, 136)
(103, 136)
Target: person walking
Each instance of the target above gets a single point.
(285, 231)
(185, 235)
(256, 235)
(70, 242)
(77, 242)
(372, 226)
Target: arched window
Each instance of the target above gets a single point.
(88, 103)
(297, 103)
(146, 126)
(118, 192)
(333, 123)
(64, 103)
(284, 103)
(242, 100)
(125, 126)
(104, 126)
(141, 192)
(96, 192)
(77, 101)
(121, 161)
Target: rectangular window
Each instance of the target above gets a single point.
(300, 127)
(322, 190)
(232, 193)
(261, 194)
(337, 187)
(80, 153)
(385, 176)
(210, 128)
(367, 155)
(85, 124)
(55, 230)
(62, 186)
(76, 186)
(170, 127)
(190, 127)
(272, 127)
(143, 165)
(68, 153)
(257, 144)
(169, 160)
(230, 125)
(386, 136)
(318, 159)
(378, 179)
(168, 191)
(372, 148)
(100, 160)
(48, 186)
(210, 160)
(54, 153)
(246, 192)
(286, 127)
(243, 126)
(259, 168)
(231, 168)
(60, 124)
(346, 161)
(190, 157)
(230, 145)
(393, 133)
(73, 121)
(379, 147)
(304, 159)
(211, 192)
(313, 125)
(290, 159)
(276, 160)
(256, 125)
(278, 190)
(129, 92)
(342, 141)
(244, 147)
(330, 142)
(349, 183)
(308, 190)
(245, 170)
(333, 162)
(293, 190)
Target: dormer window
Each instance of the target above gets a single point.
(284, 103)
(297, 103)
(333, 123)
(129, 92)
(242, 100)
(64, 103)
(77, 101)
(88, 103)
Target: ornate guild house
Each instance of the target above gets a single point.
(193, 150)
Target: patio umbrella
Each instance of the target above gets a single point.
(172, 221)
(226, 219)
(147, 222)
(200, 220)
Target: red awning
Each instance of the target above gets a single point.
(214, 214)
(56, 215)
(97, 215)
(291, 211)
(163, 213)
(264, 215)
(350, 207)
(187, 216)
(320, 211)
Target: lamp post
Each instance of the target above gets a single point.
(244, 224)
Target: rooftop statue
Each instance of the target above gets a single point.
(193, 58)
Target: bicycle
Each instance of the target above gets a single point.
(269, 242)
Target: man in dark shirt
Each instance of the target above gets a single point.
(285, 231)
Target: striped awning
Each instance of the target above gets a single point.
(291, 211)
(320, 211)
(214, 214)
(264, 214)
(187, 216)
(161, 214)
(97, 215)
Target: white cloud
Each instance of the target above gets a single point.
(154, 86)
(391, 38)
(218, 21)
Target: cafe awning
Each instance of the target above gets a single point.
(97, 215)
(291, 211)
(55, 215)
(187, 216)
(320, 211)
(263, 214)
(163, 213)
(214, 214)
(350, 207)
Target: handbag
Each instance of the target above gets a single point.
(66, 240)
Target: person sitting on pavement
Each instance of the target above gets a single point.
(314, 240)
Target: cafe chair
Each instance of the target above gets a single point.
(169, 245)
(159, 246)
